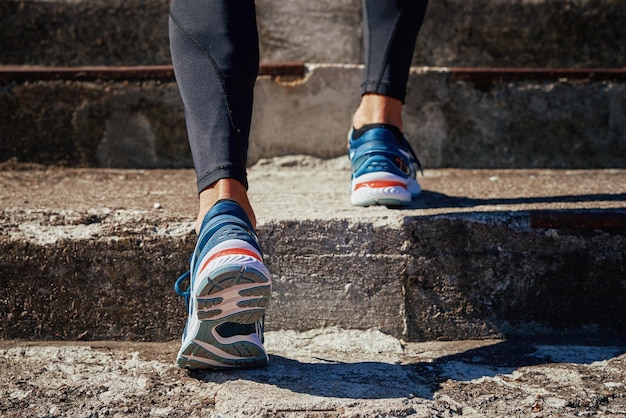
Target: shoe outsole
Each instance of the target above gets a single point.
(233, 293)
(390, 196)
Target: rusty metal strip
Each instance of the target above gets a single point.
(295, 69)
(121, 73)
(480, 76)
(578, 220)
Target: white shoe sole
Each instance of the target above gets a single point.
(381, 188)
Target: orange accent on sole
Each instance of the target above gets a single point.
(379, 184)
(231, 251)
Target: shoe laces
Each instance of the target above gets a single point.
(178, 287)
(417, 165)
(416, 161)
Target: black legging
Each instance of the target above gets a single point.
(215, 52)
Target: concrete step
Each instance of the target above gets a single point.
(454, 117)
(512, 33)
(93, 254)
(327, 373)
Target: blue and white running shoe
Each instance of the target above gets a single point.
(384, 167)
(229, 289)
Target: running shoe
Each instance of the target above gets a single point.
(384, 167)
(229, 289)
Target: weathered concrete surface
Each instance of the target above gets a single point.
(523, 124)
(321, 373)
(71, 32)
(95, 124)
(93, 254)
(517, 33)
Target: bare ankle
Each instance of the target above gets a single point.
(376, 108)
(224, 189)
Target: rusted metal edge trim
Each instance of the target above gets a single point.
(578, 220)
(298, 69)
(490, 75)
(121, 73)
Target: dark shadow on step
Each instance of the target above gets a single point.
(435, 200)
(379, 380)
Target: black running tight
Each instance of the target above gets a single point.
(215, 52)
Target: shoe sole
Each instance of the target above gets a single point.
(383, 189)
(238, 290)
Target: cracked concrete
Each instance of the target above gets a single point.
(450, 123)
(463, 261)
(319, 373)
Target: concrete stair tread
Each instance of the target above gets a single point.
(295, 188)
(330, 373)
